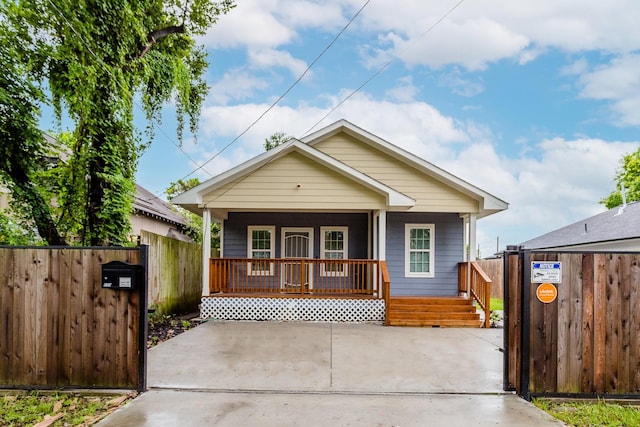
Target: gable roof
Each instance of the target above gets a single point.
(617, 228)
(489, 204)
(148, 204)
(193, 199)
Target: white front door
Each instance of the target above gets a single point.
(297, 243)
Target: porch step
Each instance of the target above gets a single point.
(432, 311)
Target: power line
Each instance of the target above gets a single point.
(384, 67)
(284, 94)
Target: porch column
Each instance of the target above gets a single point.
(472, 249)
(206, 250)
(472, 237)
(382, 236)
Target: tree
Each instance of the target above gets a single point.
(95, 57)
(23, 146)
(276, 139)
(627, 176)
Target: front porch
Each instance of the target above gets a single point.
(351, 290)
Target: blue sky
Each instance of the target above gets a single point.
(534, 102)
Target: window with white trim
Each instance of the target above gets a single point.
(260, 245)
(419, 250)
(334, 245)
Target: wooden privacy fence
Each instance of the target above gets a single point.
(175, 274)
(493, 268)
(584, 343)
(60, 329)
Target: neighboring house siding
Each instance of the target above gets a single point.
(449, 248)
(235, 230)
(294, 182)
(430, 194)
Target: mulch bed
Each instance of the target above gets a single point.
(164, 327)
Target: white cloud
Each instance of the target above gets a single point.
(577, 67)
(250, 23)
(268, 58)
(236, 84)
(404, 91)
(560, 184)
(618, 82)
(459, 85)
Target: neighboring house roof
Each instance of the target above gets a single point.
(615, 229)
(148, 204)
(329, 182)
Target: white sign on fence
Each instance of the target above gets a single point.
(546, 272)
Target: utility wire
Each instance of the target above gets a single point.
(284, 94)
(383, 68)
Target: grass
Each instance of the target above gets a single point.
(497, 304)
(589, 414)
(58, 409)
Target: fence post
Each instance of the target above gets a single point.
(142, 318)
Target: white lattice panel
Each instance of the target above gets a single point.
(293, 309)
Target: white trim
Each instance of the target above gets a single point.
(221, 236)
(345, 251)
(382, 235)
(431, 250)
(206, 250)
(303, 229)
(472, 237)
(193, 198)
(487, 203)
(272, 249)
(283, 232)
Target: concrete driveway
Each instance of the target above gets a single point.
(321, 374)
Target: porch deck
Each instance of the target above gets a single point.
(322, 289)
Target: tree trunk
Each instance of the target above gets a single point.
(27, 194)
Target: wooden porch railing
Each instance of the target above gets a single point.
(480, 287)
(303, 276)
(386, 289)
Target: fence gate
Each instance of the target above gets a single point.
(64, 325)
(572, 324)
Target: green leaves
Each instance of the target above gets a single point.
(95, 56)
(627, 176)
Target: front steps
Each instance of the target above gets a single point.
(432, 311)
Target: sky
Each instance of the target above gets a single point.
(533, 102)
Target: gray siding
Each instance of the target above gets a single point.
(235, 230)
(449, 240)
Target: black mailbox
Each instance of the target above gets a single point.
(120, 275)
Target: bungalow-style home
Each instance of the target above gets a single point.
(151, 213)
(617, 229)
(342, 225)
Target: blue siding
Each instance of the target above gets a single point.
(235, 230)
(449, 234)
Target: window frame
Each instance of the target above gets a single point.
(430, 251)
(324, 272)
(272, 249)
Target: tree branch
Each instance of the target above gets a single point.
(157, 35)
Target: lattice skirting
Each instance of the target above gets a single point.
(293, 309)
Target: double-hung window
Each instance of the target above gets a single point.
(334, 246)
(419, 250)
(261, 245)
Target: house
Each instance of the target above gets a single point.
(151, 213)
(341, 225)
(616, 229)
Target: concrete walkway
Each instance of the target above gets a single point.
(322, 374)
